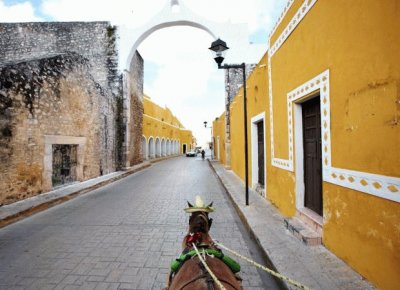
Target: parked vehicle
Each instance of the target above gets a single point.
(191, 154)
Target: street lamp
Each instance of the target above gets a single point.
(219, 48)
(212, 140)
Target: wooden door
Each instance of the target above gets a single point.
(184, 148)
(260, 140)
(312, 155)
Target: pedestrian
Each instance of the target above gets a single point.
(203, 153)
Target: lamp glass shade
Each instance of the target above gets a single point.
(218, 46)
(219, 49)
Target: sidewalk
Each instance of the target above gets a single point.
(13, 212)
(312, 266)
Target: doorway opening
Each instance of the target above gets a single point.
(258, 153)
(311, 115)
(309, 179)
(64, 164)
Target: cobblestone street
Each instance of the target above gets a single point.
(121, 236)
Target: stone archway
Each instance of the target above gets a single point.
(235, 34)
(131, 63)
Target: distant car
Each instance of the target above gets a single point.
(191, 154)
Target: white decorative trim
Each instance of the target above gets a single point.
(379, 185)
(168, 124)
(283, 14)
(374, 184)
(319, 83)
(307, 5)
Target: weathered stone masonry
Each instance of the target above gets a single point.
(59, 84)
(46, 99)
(134, 111)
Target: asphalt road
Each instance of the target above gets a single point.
(123, 235)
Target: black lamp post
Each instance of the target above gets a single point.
(212, 140)
(219, 48)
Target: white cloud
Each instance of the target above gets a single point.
(133, 12)
(22, 12)
(257, 13)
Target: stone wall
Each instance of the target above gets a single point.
(134, 111)
(59, 83)
(96, 42)
(25, 41)
(52, 98)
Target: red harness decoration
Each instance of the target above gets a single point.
(193, 238)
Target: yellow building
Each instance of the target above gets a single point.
(219, 138)
(325, 99)
(163, 133)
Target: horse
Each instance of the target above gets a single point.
(187, 272)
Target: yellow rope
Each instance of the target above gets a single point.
(295, 283)
(208, 269)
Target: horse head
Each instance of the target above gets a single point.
(199, 223)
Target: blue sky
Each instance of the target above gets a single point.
(182, 77)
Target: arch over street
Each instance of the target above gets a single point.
(175, 13)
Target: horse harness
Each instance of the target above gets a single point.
(188, 254)
(207, 276)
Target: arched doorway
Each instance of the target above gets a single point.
(144, 148)
(151, 148)
(158, 147)
(163, 147)
(168, 147)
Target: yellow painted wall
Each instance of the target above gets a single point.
(160, 123)
(187, 138)
(219, 131)
(257, 98)
(237, 136)
(359, 42)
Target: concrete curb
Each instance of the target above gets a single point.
(14, 212)
(269, 264)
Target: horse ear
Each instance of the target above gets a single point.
(210, 205)
(189, 204)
